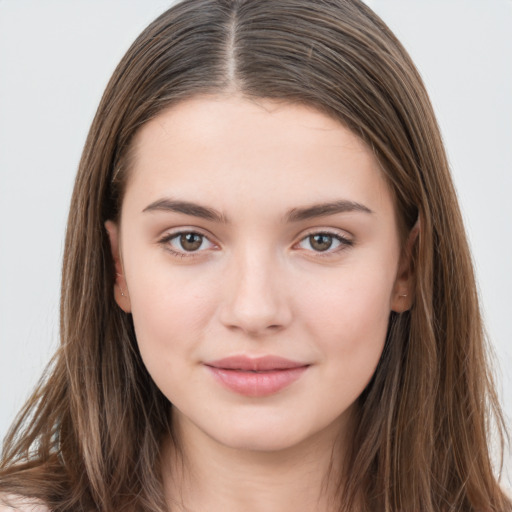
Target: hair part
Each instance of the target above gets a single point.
(90, 436)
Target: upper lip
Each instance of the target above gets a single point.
(260, 363)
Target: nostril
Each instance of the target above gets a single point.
(254, 301)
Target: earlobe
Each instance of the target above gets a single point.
(403, 291)
(120, 288)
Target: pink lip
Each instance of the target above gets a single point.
(256, 377)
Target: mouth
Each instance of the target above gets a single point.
(256, 377)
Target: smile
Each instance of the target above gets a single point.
(256, 377)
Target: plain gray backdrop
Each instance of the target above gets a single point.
(55, 59)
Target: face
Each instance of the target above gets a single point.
(259, 255)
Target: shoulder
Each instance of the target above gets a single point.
(11, 503)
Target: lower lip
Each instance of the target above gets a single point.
(257, 383)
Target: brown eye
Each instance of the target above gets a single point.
(187, 244)
(325, 242)
(320, 242)
(190, 241)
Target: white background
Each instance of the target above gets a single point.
(55, 59)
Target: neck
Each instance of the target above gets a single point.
(204, 475)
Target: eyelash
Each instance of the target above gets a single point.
(343, 243)
(166, 239)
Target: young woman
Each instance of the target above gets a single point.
(268, 301)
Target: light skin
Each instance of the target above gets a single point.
(257, 228)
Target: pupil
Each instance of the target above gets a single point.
(321, 242)
(191, 241)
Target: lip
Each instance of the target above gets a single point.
(256, 376)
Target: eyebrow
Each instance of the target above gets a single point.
(325, 209)
(188, 208)
(294, 215)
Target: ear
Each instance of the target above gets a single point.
(404, 288)
(121, 295)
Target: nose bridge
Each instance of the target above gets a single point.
(255, 300)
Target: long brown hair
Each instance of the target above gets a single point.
(90, 436)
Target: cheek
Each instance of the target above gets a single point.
(351, 301)
(170, 313)
(349, 321)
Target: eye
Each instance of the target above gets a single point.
(324, 242)
(186, 242)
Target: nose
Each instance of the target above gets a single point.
(255, 299)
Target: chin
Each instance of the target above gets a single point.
(264, 442)
(271, 434)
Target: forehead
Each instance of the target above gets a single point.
(225, 149)
(230, 120)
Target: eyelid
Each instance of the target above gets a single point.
(169, 235)
(339, 235)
